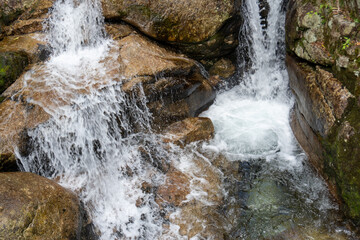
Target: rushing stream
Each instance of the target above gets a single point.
(93, 142)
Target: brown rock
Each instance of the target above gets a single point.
(174, 190)
(27, 14)
(223, 68)
(189, 130)
(199, 215)
(118, 30)
(33, 207)
(321, 98)
(201, 28)
(180, 92)
(32, 44)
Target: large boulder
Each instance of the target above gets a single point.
(33, 207)
(172, 84)
(201, 28)
(323, 43)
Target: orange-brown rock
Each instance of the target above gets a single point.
(321, 97)
(189, 130)
(23, 16)
(201, 28)
(34, 45)
(171, 83)
(33, 207)
(174, 190)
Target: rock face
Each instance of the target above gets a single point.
(33, 207)
(11, 66)
(172, 84)
(190, 130)
(22, 16)
(201, 28)
(324, 44)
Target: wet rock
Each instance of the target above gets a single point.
(189, 130)
(326, 115)
(200, 214)
(223, 68)
(200, 28)
(327, 127)
(171, 83)
(174, 190)
(32, 44)
(321, 98)
(33, 207)
(22, 16)
(11, 66)
(118, 30)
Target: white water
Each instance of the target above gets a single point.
(92, 143)
(252, 119)
(251, 122)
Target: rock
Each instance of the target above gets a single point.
(33, 207)
(189, 130)
(27, 14)
(174, 190)
(118, 30)
(11, 66)
(200, 215)
(223, 68)
(325, 119)
(172, 84)
(201, 28)
(32, 44)
(322, 99)
(326, 125)
(316, 33)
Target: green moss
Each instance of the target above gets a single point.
(11, 66)
(342, 163)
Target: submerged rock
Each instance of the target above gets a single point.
(33, 207)
(200, 28)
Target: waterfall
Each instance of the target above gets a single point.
(279, 192)
(95, 141)
(92, 142)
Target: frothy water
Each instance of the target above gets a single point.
(278, 192)
(100, 144)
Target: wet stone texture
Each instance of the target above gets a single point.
(33, 207)
(200, 28)
(324, 44)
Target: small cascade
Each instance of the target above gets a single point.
(276, 194)
(99, 142)
(95, 141)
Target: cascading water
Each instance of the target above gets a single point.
(90, 144)
(279, 195)
(95, 141)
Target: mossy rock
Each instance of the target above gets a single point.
(12, 64)
(342, 160)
